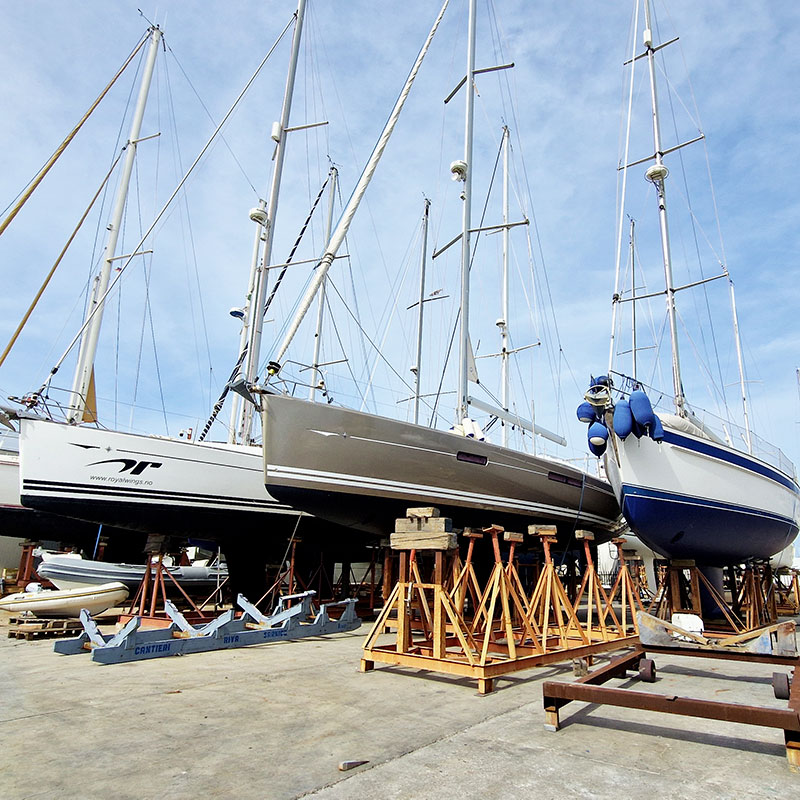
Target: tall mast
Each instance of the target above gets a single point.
(503, 323)
(740, 361)
(462, 410)
(83, 382)
(256, 307)
(315, 374)
(420, 311)
(633, 298)
(342, 227)
(259, 216)
(657, 175)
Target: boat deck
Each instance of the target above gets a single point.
(277, 720)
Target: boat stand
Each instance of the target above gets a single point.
(787, 591)
(152, 587)
(601, 622)
(590, 689)
(754, 596)
(287, 622)
(507, 632)
(626, 592)
(679, 593)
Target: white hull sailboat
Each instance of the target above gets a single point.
(154, 484)
(685, 491)
(146, 483)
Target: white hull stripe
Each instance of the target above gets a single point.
(454, 496)
(740, 460)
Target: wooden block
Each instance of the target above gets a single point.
(425, 511)
(542, 530)
(423, 540)
(428, 525)
(587, 535)
(514, 537)
(473, 533)
(618, 540)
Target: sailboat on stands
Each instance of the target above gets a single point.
(364, 470)
(17, 519)
(154, 484)
(687, 492)
(183, 487)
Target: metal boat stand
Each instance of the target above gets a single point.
(590, 689)
(507, 632)
(600, 620)
(628, 590)
(132, 643)
(787, 591)
(154, 586)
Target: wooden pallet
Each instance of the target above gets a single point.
(32, 628)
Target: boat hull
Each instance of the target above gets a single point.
(690, 498)
(68, 572)
(19, 522)
(364, 471)
(146, 483)
(69, 603)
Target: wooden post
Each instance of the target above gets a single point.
(386, 589)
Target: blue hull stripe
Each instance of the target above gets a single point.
(705, 503)
(709, 531)
(732, 457)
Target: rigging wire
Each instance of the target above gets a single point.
(161, 213)
(58, 260)
(671, 96)
(221, 399)
(212, 120)
(192, 249)
(37, 179)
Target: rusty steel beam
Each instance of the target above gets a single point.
(756, 658)
(787, 719)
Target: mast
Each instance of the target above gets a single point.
(633, 299)
(259, 216)
(462, 409)
(256, 307)
(83, 382)
(740, 360)
(657, 175)
(339, 233)
(503, 323)
(420, 310)
(312, 395)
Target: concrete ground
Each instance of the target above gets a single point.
(274, 721)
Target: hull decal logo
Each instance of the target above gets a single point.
(130, 465)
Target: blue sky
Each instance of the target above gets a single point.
(567, 91)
